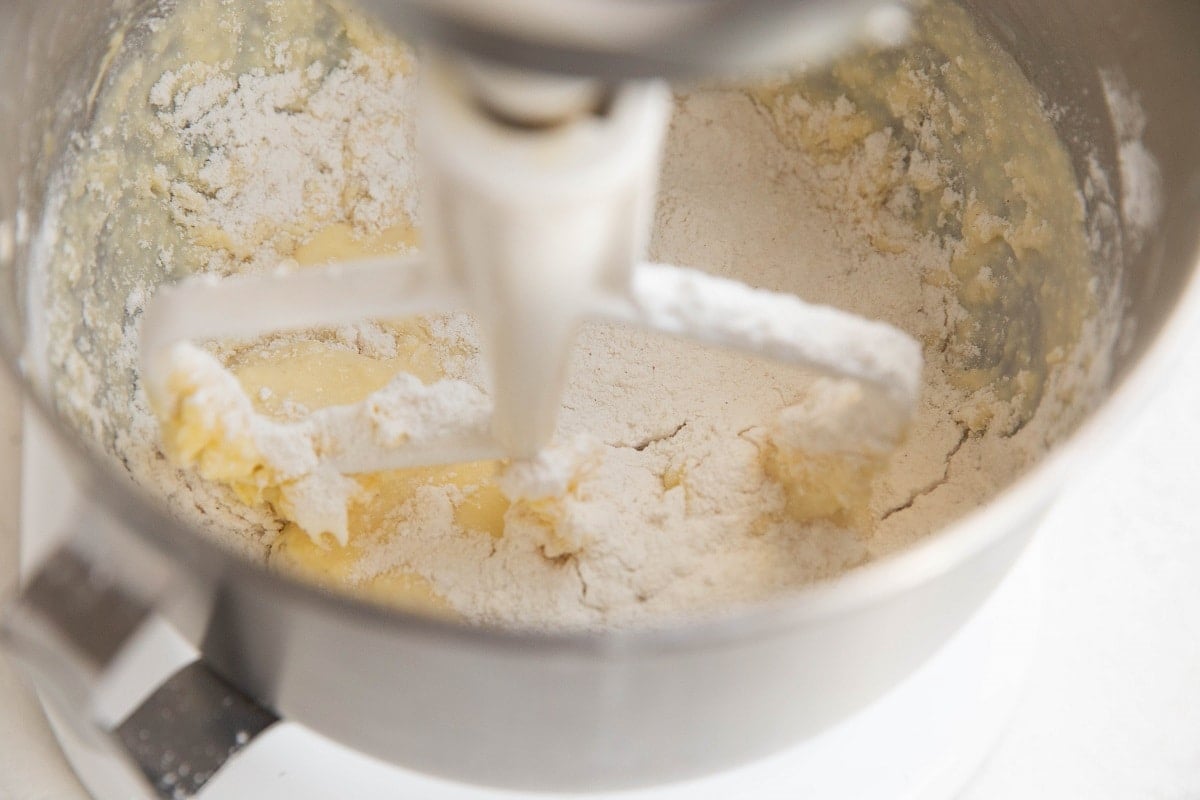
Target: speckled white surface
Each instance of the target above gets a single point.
(1113, 707)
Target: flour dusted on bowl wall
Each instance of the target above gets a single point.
(229, 137)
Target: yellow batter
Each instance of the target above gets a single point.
(284, 380)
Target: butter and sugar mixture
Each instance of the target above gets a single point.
(924, 187)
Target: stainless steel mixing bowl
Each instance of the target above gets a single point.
(568, 711)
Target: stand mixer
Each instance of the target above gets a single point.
(130, 618)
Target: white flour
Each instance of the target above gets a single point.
(287, 153)
(1141, 180)
(671, 487)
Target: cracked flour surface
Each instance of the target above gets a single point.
(668, 492)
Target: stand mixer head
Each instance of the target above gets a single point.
(539, 196)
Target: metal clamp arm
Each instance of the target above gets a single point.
(86, 631)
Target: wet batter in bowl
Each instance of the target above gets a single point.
(925, 187)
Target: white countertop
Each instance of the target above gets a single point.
(1113, 707)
